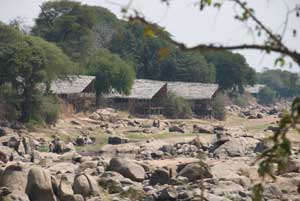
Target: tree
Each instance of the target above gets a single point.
(232, 70)
(154, 58)
(25, 63)
(72, 26)
(112, 73)
(285, 83)
(267, 96)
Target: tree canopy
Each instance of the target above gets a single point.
(112, 73)
(25, 63)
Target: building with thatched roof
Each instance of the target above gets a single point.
(255, 89)
(199, 95)
(75, 91)
(73, 84)
(145, 97)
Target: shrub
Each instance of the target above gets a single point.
(176, 107)
(267, 96)
(218, 106)
(50, 109)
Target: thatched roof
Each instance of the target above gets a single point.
(141, 89)
(255, 88)
(193, 90)
(72, 84)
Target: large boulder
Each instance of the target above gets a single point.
(195, 171)
(5, 153)
(168, 194)
(117, 140)
(65, 190)
(86, 186)
(127, 168)
(159, 176)
(39, 186)
(203, 129)
(15, 196)
(14, 177)
(236, 147)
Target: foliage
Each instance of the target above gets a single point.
(218, 106)
(72, 26)
(25, 63)
(156, 59)
(176, 107)
(112, 73)
(50, 109)
(232, 70)
(285, 83)
(267, 96)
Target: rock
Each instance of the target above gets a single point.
(5, 153)
(176, 129)
(263, 145)
(127, 168)
(69, 147)
(195, 171)
(39, 186)
(85, 185)
(80, 141)
(15, 196)
(272, 192)
(14, 177)
(259, 116)
(160, 176)
(293, 165)
(117, 140)
(168, 194)
(75, 122)
(14, 143)
(65, 190)
(2, 132)
(203, 129)
(236, 147)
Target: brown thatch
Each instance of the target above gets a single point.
(72, 84)
(193, 90)
(141, 89)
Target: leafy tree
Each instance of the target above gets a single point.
(267, 96)
(232, 70)
(285, 83)
(112, 73)
(155, 58)
(218, 106)
(25, 63)
(78, 29)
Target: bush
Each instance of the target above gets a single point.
(267, 96)
(50, 110)
(218, 106)
(176, 107)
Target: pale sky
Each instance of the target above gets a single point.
(187, 24)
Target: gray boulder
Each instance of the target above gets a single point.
(159, 176)
(195, 171)
(127, 168)
(39, 186)
(15, 196)
(117, 140)
(168, 194)
(85, 185)
(14, 177)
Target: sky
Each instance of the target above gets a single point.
(189, 25)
